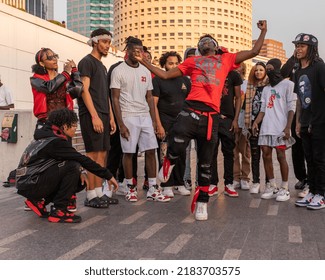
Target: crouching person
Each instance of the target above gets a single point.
(51, 170)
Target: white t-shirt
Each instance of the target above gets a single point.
(277, 101)
(5, 96)
(134, 84)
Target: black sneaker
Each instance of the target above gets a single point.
(37, 207)
(72, 206)
(63, 216)
(300, 185)
(108, 200)
(96, 203)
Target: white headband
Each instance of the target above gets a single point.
(99, 37)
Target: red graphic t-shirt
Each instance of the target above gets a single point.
(208, 75)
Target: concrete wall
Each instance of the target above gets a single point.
(22, 35)
(10, 153)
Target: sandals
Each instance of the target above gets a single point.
(96, 203)
(109, 200)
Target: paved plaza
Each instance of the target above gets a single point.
(243, 228)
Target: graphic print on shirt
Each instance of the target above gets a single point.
(143, 79)
(256, 104)
(304, 91)
(274, 95)
(208, 71)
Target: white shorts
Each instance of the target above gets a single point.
(141, 134)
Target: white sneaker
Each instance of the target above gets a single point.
(236, 184)
(270, 192)
(244, 185)
(165, 171)
(304, 192)
(122, 189)
(213, 190)
(230, 191)
(168, 191)
(283, 195)
(255, 188)
(201, 212)
(182, 190)
(132, 195)
(305, 201)
(155, 194)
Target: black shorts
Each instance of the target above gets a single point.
(95, 142)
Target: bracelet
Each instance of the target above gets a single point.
(84, 172)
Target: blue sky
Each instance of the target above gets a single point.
(286, 19)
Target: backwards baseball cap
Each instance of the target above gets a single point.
(307, 39)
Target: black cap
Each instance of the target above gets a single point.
(307, 39)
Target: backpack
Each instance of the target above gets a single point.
(11, 180)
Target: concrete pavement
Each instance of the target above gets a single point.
(243, 228)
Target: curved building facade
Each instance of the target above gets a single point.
(174, 25)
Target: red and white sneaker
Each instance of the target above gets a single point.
(72, 206)
(230, 191)
(132, 194)
(155, 194)
(165, 171)
(213, 190)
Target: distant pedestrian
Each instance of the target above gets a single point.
(6, 101)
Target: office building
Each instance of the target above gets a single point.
(273, 49)
(40, 8)
(20, 4)
(174, 25)
(84, 16)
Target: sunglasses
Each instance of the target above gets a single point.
(52, 57)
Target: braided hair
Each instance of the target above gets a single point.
(313, 55)
(132, 41)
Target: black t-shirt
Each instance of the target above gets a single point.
(227, 107)
(310, 87)
(256, 102)
(94, 69)
(172, 94)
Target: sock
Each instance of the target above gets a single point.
(91, 194)
(99, 192)
(284, 185)
(272, 182)
(152, 182)
(129, 181)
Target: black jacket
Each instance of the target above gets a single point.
(51, 146)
